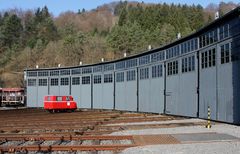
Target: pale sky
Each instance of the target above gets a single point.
(58, 6)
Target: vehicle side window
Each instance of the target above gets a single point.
(48, 98)
(67, 98)
(59, 98)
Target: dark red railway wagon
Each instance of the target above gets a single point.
(12, 97)
(59, 103)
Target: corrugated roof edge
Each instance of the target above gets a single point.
(12, 89)
(234, 12)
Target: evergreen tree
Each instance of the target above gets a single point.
(11, 30)
(220, 10)
(41, 27)
(79, 11)
(197, 19)
(1, 35)
(210, 19)
(6, 15)
(127, 38)
(158, 25)
(83, 10)
(118, 9)
(135, 14)
(123, 17)
(167, 33)
(1, 19)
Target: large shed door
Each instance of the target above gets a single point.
(32, 92)
(188, 78)
(76, 89)
(54, 86)
(107, 90)
(42, 90)
(208, 83)
(86, 93)
(126, 90)
(151, 88)
(131, 90)
(120, 97)
(144, 89)
(97, 91)
(64, 86)
(225, 84)
(155, 103)
(172, 87)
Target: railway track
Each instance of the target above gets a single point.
(63, 143)
(34, 130)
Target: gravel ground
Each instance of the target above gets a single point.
(106, 142)
(219, 128)
(109, 142)
(30, 143)
(46, 143)
(158, 122)
(74, 143)
(66, 152)
(197, 148)
(66, 143)
(125, 142)
(220, 147)
(12, 108)
(12, 143)
(87, 142)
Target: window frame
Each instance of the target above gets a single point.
(76, 80)
(108, 78)
(97, 79)
(64, 81)
(42, 82)
(144, 73)
(32, 82)
(225, 50)
(86, 80)
(54, 82)
(157, 71)
(131, 75)
(120, 76)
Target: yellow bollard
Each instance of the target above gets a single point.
(209, 116)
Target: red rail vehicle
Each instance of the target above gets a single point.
(12, 97)
(59, 103)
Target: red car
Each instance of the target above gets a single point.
(59, 103)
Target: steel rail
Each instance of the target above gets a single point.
(122, 126)
(113, 147)
(63, 138)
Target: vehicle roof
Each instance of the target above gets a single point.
(58, 95)
(12, 89)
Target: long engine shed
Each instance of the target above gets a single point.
(182, 78)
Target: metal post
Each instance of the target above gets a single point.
(209, 116)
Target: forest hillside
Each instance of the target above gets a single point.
(34, 37)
